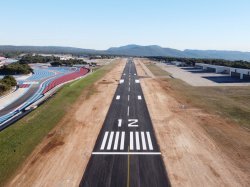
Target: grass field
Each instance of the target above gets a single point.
(156, 70)
(229, 102)
(19, 140)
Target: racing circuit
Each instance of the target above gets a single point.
(34, 90)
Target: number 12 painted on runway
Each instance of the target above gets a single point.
(131, 122)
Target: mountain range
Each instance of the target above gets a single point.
(133, 50)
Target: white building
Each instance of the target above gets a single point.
(214, 68)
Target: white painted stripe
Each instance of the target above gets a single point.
(149, 141)
(128, 97)
(116, 140)
(118, 97)
(128, 111)
(144, 146)
(121, 81)
(122, 141)
(131, 138)
(126, 153)
(110, 140)
(129, 83)
(139, 97)
(104, 140)
(119, 122)
(137, 140)
(135, 74)
(129, 89)
(137, 81)
(124, 74)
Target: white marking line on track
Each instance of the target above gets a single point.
(135, 74)
(118, 97)
(128, 97)
(149, 141)
(139, 97)
(121, 81)
(126, 153)
(129, 89)
(137, 140)
(131, 143)
(128, 111)
(119, 122)
(122, 141)
(116, 140)
(137, 81)
(104, 140)
(129, 83)
(144, 147)
(110, 140)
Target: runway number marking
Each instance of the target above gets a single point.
(119, 122)
(132, 122)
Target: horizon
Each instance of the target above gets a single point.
(100, 25)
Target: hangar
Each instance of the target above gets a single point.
(213, 68)
(240, 73)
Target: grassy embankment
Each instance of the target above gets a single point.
(230, 102)
(18, 141)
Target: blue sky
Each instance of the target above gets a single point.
(99, 24)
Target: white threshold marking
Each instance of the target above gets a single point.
(144, 147)
(137, 140)
(131, 143)
(119, 122)
(110, 140)
(122, 141)
(128, 111)
(116, 140)
(126, 153)
(139, 97)
(149, 141)
(104, 140)
(118, 97)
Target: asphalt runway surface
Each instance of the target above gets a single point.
(126, 152)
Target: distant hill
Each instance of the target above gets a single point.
(133, 50)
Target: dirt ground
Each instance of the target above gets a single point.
(61, 158)
(191, 153)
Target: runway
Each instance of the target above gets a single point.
(126, 152)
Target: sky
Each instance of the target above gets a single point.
(100, 24)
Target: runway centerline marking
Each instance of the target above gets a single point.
(128, 97)
(128, 111)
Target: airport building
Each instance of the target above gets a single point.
(240, 73)
(213, 68)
